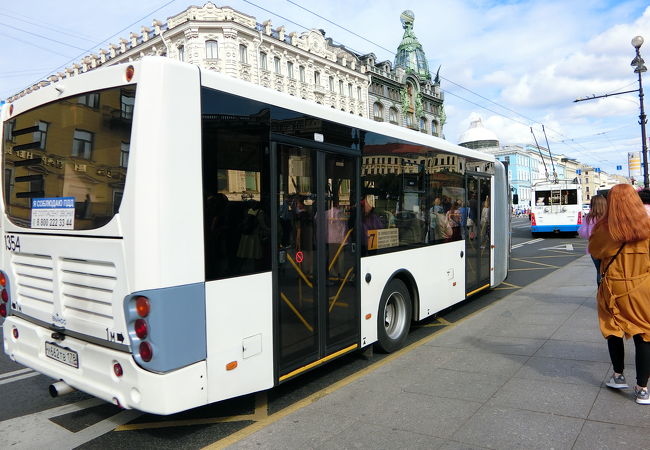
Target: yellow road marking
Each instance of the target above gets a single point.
(534, 262)
(442, 322)
(550, 256)
(261, 413)
(245, 432)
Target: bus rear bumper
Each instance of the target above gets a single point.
(554, 228)
(137, 388)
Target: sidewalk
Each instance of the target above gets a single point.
(527, 372)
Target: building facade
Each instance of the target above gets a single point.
(307, 65)
(403, 93)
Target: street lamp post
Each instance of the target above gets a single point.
(640, 67)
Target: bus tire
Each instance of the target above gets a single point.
(394, 316)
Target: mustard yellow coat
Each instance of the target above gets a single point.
(624, 293)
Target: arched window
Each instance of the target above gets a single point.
(378, 111)
(211, 50)
(434, 128)
(423, 124)
(392, 115)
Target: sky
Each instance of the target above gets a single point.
(514, 64)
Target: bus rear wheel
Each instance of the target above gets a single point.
(394, 316)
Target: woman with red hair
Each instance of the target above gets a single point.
(621, 241)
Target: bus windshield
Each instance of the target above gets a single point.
(65, 162)
(556, 197)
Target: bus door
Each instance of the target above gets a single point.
(477, 233)
(317, 259)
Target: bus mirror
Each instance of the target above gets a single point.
(515, 199)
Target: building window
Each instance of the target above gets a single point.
(211, 50)
(434, 127)
(341, 87)
(276, 64)
(243, 54)
(423, 124)
(350, 90)
(40, 136)
(181, 53)
(9, 127)
(301, 73)
(124, 154)
(317, 78)
(378, 111)
(91, 100)
(331, 84)
(127, 101)
(392, 115)
(358, 93)
(290, 70)
(409, 120)
(82, 144)
(263, 61)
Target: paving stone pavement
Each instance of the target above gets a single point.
(527, 372)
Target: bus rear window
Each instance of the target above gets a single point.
(64, 163)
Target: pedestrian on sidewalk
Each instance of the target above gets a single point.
(597, 208)
(645, 198)
(621, 241)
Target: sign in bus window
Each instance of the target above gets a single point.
(383, 238)
(53, 213)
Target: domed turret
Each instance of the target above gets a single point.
(477, 136)
(410, 55)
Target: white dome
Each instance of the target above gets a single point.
(476, 133)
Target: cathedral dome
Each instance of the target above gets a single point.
(410, 55)
(477, 136)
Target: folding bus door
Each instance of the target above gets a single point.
(317, 302)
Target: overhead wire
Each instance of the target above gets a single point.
(105, 40)
(47, 26)
(581, 149)
(40, 35)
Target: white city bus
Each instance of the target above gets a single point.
(175, 237)
(557, 207)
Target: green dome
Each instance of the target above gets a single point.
(410, 55)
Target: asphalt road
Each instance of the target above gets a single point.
(29, 418)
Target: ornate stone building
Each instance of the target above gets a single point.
(404, 93)
(307, 65)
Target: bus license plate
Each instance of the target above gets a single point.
(64, 355)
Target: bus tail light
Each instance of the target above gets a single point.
(146, 351)
(4, 295)
(579, 217)
(141, 329)
(160, 338)
(533, 222)
(142, 306)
